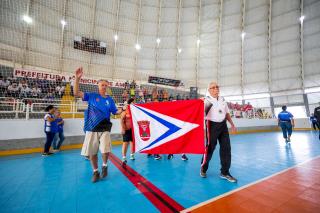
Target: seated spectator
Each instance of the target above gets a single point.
(125, 95)
(57, 90)
(61, 92)
(35, 92)
(178, 97)
(13, 90)
(154, 94)
(160, 95)
(49, 96)
(247, 107)
(165, 95)
(23, 83)
(25, 91)
(237, 106)
(140, 93)
(145, 92)
(126, 85)
(4, 83)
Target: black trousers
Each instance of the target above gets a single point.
(315, 125)
(49, 139)
(217, 132)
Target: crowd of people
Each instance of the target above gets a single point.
(24, 88)
(31, 88)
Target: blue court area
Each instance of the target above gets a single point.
(61, 183)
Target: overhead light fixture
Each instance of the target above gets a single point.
(243, 34)
(158, 41)
(63, 22)
(115, 37)
(179, 50)
(198, 42)
(138, 46)
(27, 19)
(301, 19)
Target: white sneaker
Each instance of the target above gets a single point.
(132, 157)
(124, 159)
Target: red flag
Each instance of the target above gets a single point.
(168, 127)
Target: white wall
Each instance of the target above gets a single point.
(20, 129)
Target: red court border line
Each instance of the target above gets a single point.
(158, 198)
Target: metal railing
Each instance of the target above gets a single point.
(27, 108)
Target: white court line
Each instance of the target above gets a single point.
(243, 187)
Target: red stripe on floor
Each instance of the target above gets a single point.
(158, 198)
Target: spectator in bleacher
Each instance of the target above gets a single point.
(237, 106)
(59, 134)
(49, 96)
(133, 84)
(25, 91)
(35, 92)
(160, 95)
(12, 78)
(97, 124)
(178, 97)
(165, 95)
(126, 85)
(140, 101)
(13, 90)
(140, 93)
(124, 95)
(4, 83)
(57, 90)
(145, 92)
(154, 94)
(22, 83)
(247, 108)
(49, 129)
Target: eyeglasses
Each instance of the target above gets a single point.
(216, 87)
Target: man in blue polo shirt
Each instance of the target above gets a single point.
(97, 124)
(286, 122)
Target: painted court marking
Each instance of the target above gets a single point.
(158, 198)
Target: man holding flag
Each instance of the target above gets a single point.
(216, 115)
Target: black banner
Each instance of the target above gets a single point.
(164, 81)
(90, 45)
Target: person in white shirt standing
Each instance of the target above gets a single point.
(216, 117)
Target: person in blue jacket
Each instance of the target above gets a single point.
(59, 134)
(286, 122)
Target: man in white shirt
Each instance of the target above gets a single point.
(216, 115)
